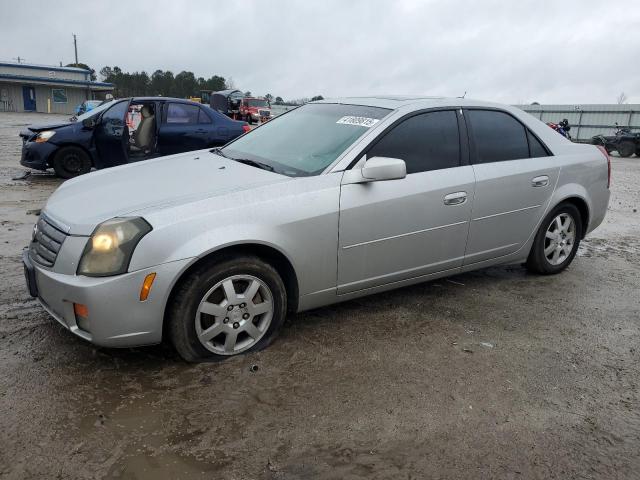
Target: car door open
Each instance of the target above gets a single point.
(400, 229)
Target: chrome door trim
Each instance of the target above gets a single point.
(403, 235)
(507, 213)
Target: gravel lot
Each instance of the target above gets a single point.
(492, 374)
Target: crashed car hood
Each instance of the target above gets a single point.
(48, 126)
(80, 204)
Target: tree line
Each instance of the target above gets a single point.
(161, 82)
(165, 83)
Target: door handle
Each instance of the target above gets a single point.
(456, 198)
(541, 181)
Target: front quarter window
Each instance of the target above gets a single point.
(308, 139)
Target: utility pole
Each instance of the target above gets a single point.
(18, 59)
(75, 47)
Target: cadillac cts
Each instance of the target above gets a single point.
(331, 201)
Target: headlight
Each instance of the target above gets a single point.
(111, 245)
(44, 136)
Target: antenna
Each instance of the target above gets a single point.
(464, 95)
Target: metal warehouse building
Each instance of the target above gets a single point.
(589, 120)
(42, 88)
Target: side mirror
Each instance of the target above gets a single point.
(89, 122)
(377, 169)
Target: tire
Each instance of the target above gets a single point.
(202, 327)
(543, 258)
(70, 162)
(249, 120)
(626, 148)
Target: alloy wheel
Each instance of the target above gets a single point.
(560, 238)
(234, 315)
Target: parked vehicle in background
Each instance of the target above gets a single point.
(623, 141)
(255, 109)
(328, 202)
(561, 127)
(123, 131)
(87, 106)
(227, 102)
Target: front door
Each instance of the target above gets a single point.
(111, 135)
(402, 229)
(29, 98)
(515, 177)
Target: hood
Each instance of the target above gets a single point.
(49, 126)
(31, 129)
(83, 202)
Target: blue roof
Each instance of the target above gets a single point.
(28, 78)
(45, 67)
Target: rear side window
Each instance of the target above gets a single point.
(536, 149)
(182, 113)
(203, 117)
(498, 136)
(428, 141)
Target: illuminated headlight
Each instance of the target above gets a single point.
(44, 136)
(110, 247)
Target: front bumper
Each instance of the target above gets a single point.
(37, 155)
(117, 317)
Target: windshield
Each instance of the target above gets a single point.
(257, 103)
(94, 111)
(306, 140)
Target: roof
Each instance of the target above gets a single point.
(55, 81)
(47, 68)
(394, 102)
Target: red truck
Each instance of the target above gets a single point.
(254, 109)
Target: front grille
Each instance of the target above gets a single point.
(46, 242)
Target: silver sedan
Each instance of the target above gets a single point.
(328, 202)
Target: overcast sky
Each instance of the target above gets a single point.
(569, 51)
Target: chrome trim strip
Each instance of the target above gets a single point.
(507, 213)
(403, 235)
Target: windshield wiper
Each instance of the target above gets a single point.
(254, 163)
(218, 151)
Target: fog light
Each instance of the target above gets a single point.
(81, 310)
(146, 286)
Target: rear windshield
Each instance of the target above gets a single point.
(306, 140)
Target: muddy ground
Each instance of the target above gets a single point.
(493, 374)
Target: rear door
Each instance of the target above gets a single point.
(111, 135)
(396, 230)
(185, 127)
(515, 177)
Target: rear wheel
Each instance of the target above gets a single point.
(626, 148)
(556, 241)
(70, 162)
(227, 308)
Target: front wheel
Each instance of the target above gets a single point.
(557, 240)
(227, 308)
(70, 162)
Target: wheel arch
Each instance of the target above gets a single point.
(267, 253)
(582, 206)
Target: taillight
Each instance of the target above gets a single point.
(606, 155)
(246, 128)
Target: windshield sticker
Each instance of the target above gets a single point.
(358, 121)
